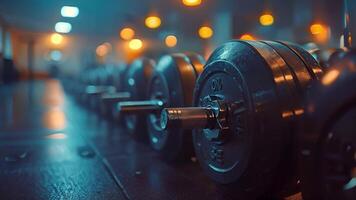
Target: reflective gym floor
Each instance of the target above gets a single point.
(51, 148)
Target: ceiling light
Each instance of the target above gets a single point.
(266, 20)
(205, 32)
(56, 38)
(55, 55)
(247, 37)
(153, 22)
(63, 27)
(69, 11)
(135, 44)
(191, 3)
(171, 41)
(127, 33)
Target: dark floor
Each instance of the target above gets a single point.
(52, 148)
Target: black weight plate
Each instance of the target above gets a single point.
(103, 80)
(173, 83)
(313, 66)
(335, 57)
(111, 74)
(303, 80)
(299, 70)
(278, 57)
(258, 130)
(102, 74)
(323, 56)
(93, 79)
(96, 73)
(115, 79)
(327, 140)
(136, 83)
(197, 61)
(119, 77)
(287, 89)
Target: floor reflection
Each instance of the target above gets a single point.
(53, 148)
(57, 136)
(54, 119)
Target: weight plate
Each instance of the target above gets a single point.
(115, 76)
(251, 75)
(120, 78)
(327, 140)
(103, 81)
(275, 56)
(323, 56)
(136, 82)
(299, 69)
(197, 61)
(173, 83)
(289, 168)
(313, 66)
(335, 57)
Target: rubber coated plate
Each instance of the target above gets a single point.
(137, 77)
(249, 74)
(173, 83)
(327, 140)
(313, 66)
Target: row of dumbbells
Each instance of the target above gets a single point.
(262, 117)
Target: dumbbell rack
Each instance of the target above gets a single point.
(246, 114)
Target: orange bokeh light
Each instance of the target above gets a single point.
(247, 37)
(320, 32)
(153, 22)
(191, 3)
(205, 32)
(54, 119)
(56, 38)
(127, 33)
(266, 19)
(330, 77)
(316, 29)
(171, 41)
(103, 49)
(135, 44)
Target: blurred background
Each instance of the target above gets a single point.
(39, 38)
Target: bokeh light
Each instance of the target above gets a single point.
(69, 11)
(205, 32)
(191, 3)
(247, 37)
(55, 55)
(330, 77)
(153, 22)
(56, 39)
(54, 119)
(266, 20)
(63, 27)
(316, 29)
(320, 32)
(127, 33)
(103, 49)
(135, 44)
(171, 41)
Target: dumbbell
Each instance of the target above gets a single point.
(106, 99)
(171, 84)
(247, 103)
(99, 79)
(134, 84)
(102, 81)
(327, 57)
(86, 78)
(327, 140)
(78, 84)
